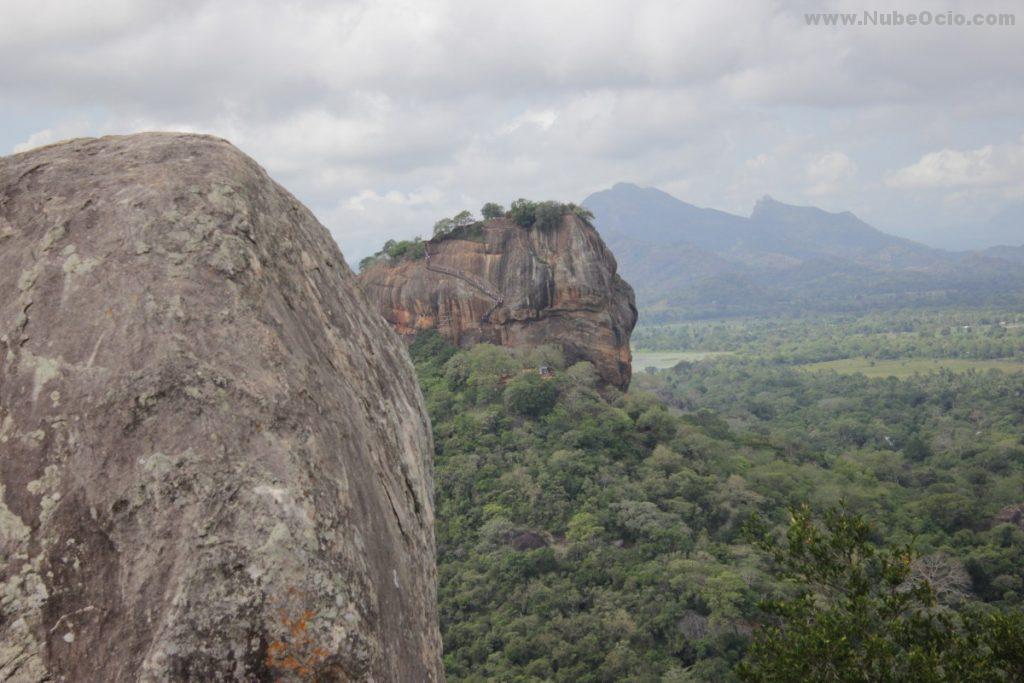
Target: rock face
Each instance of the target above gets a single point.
(516, 287)
(214, 457)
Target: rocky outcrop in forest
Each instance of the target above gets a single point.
(504, 284)
(214, 456)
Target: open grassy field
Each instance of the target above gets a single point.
(666, 359)
(908, 366)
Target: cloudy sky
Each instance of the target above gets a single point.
(386, 115)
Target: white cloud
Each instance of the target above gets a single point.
(384, 115)
(827, 173)
(48, 136)
(542, 119)
(757, 163)
(986, 167)
(368, 200)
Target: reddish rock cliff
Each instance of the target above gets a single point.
(515, 287)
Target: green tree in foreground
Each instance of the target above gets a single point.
(857, 615)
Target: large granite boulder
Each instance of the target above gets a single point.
(214, 457)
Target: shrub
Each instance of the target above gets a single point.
(443, 228)
(547, 215)
(491, 210)
(523, 212)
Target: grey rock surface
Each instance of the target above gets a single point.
(214, 457)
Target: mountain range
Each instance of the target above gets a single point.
(686, 261)
(1006, 227)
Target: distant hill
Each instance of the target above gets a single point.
(1006, 227)
(1011, 254)
(685, 261)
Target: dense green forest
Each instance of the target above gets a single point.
(588, 535)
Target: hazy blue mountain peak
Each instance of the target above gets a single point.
(682, 258)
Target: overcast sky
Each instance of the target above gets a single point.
(384, 116)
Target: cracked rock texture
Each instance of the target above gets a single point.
(516, 287)
(214, 457)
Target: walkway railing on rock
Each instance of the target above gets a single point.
(473, 282)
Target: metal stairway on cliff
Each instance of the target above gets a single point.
(472, 281)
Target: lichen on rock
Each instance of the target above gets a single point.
(214, 457)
